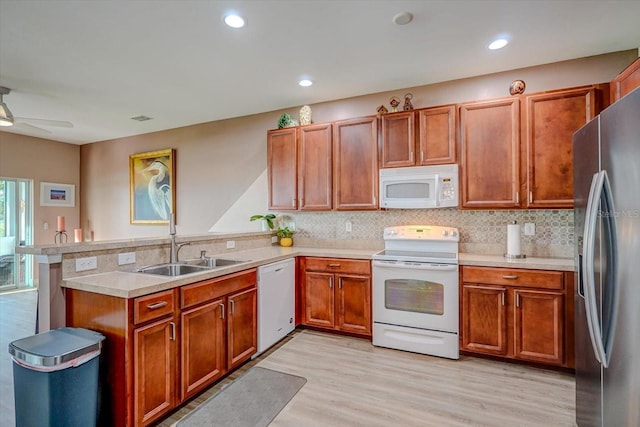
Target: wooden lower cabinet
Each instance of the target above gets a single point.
(204, 351)
(242, 324)
(517, 314)
(163, 348)
(337, 294)
(154, 360)
(484, 320)
(538, 323)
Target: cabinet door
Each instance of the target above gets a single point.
(319, 299)
(282, 169)
(242, 331)
(484, 319)
(315, 168)
(551, 120)
(398, 141)
(203, 347)
(626, 81)
(436, 135)
(490, 144)
(539, 326)
(354, 304)
(154, 359)
(355, 165)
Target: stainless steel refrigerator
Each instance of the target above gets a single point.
(607, 234)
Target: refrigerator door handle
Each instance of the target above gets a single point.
(599, 187)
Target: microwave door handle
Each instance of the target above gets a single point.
(436, 196)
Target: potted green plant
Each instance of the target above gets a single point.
(266, 220)
(285, 235)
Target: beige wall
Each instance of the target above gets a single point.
(41, 160)
(218, 162)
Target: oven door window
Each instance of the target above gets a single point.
(418, 296)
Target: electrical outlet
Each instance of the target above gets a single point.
(347, 227)
(84, 264)
(274, 239)
(231, 244)
(529, 229)
(127, 258)
(45, 226)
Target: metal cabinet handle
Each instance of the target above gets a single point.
(173, 331)
(233, 306)
(222, 308)
(293, 202)
(157, 305)
(510, 276)
(411, 156)
(517, 300)
(334, 265)
(340, 283)
(422, 157)
(530, 196)
(330, 282)
(502, 293)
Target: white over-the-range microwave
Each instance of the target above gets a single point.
(419, 187)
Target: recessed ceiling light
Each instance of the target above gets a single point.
(234, 20)
(498, 44)
(403, 18)
(305, 82)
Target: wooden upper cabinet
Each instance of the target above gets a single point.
(436, 135)
(355, 164)
(551, 120)
(398, 140)
(282, 169)
(626, 81)
(315, 167)
(490, 143)
(420, 137)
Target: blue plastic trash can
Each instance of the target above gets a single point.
(55, 378)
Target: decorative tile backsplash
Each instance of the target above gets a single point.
(480, 231)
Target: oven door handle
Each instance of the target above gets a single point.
(415, 265)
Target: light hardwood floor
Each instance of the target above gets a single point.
(351, 383)
(17, 320)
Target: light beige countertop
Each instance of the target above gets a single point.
(130, 285)
(533, 263)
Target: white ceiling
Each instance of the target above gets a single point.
(99, 63)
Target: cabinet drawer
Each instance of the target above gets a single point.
(513, 277)
(207, 290)
(153, 306)
(338, 265)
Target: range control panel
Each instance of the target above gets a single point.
(422, 232)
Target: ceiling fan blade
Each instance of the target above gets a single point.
(29, 128)
(45, 122)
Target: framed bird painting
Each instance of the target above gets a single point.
(152, 186)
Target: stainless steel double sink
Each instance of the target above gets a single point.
(190, 266)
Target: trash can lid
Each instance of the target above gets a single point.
(56, 347)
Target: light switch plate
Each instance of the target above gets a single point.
(127, 258)
(529, 229)
(84, 264)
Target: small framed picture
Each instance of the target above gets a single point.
(61, 195)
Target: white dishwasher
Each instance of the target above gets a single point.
(276, 305)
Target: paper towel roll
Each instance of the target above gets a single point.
(513, 239)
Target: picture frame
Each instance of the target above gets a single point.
(60, 195)
(152, 186)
